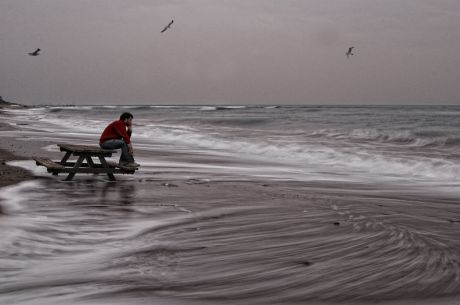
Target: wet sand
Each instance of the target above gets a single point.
(239, 242)
(11, 174)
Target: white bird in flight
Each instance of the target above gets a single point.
(35, 53)
(349, 52)
(168, 26)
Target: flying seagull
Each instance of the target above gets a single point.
(35, 53)
(349, 52)
(168, 26)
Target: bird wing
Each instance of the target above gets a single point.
(168, 26)
(34, 53)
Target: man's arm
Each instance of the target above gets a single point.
(121, 130)
(129, 130)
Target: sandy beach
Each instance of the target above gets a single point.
(11, 174)
(174, 235)
(11, 149)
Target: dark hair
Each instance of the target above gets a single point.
(126, 115)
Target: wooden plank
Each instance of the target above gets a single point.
(85, 149)
(55, 166)
(49, 164)
(92, 154)
(89, 170)
(97, 165)
(85, 164)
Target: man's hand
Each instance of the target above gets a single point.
(130, 149)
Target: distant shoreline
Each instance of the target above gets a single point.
(4, 103)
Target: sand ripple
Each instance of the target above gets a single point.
(329, 251)
(245, 244)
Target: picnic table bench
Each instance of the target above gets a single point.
(84, 153)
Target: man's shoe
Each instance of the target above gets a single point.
(129, 164)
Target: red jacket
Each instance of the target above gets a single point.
(115, 130)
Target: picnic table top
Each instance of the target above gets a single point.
(90, 149)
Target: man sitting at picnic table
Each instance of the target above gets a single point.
(118, 135)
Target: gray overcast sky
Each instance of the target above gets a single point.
(230, 51)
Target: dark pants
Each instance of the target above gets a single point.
(116, 144)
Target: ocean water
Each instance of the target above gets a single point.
(268, 205)
(413, 145)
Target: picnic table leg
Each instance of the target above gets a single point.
(105, 165)
(77, 165)
(65, 158)
(90, 161)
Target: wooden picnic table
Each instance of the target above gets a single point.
(84, 153)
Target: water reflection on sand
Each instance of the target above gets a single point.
(209, 242)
